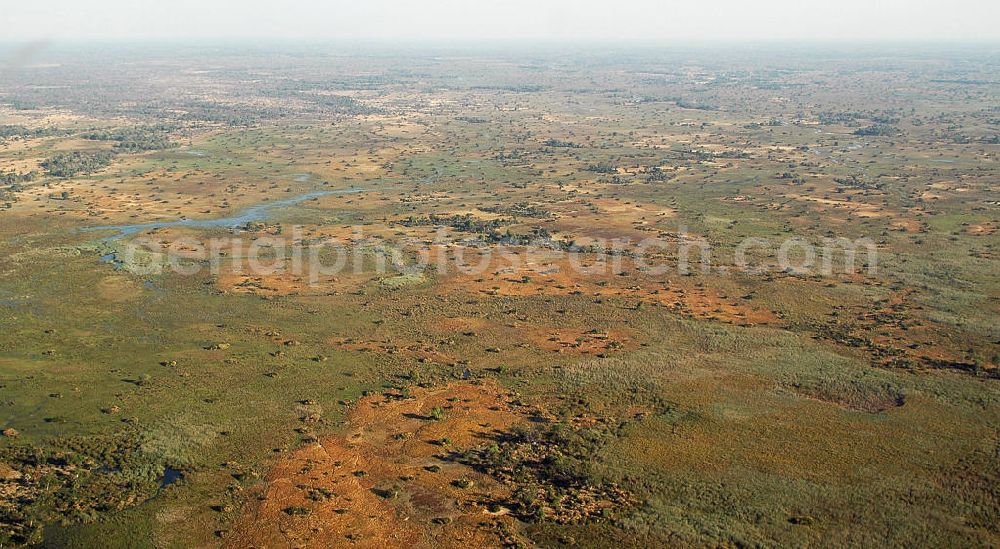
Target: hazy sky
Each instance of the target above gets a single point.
(568, 20)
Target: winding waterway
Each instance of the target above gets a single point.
(258, 212)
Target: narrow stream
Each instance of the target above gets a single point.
(258, 212)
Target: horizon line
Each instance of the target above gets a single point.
(403, 41)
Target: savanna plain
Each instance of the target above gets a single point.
(319, 296)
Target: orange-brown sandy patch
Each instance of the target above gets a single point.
(983, 229)
(600, 219)
(900, 330)
(855, 207)
(423, 352)
(568, 340)
(711, 305)
(381, 484)
(908, 225)
(588, 275)
(288, 282)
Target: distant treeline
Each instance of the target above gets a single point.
(602, 167)
(685, 104)
(966, 82)
(13, 178)
(77, 163)
(464, 223)
(561, 144)
(22, 132)
(134, 139)
(520, 209)
(522, 88)
(854, 118)
(22, 105)
(341, 104)
(236, 116)
(878, 130)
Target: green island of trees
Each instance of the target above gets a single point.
(76, 163)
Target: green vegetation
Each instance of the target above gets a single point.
(14, 178)
(628, 406)
(341, 104)
(131, 140)
(553, 470)
(77, 163)
(8, 131)
(879, 130)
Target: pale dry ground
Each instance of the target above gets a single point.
(137, 188)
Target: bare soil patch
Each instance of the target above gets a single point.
(385, 482)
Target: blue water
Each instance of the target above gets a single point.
(111, 259)
(258, 212)
(170, 476)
